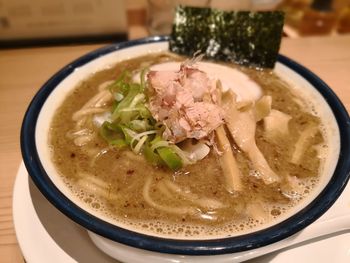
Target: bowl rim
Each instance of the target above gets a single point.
(244, 242)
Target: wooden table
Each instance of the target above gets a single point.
(23, 71)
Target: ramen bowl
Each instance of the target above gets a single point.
(127, 244)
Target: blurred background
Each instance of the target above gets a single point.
(45, 22)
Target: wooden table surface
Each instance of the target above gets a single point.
(23, 71)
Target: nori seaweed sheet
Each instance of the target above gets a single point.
(243, 37)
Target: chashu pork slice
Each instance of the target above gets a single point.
(185, 102)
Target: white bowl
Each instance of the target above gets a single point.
(36, 156)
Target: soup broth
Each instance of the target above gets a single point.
(193, 201)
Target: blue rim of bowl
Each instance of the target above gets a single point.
(185, 247)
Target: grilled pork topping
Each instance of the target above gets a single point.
(185, 101)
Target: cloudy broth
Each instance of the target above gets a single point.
(120, 181)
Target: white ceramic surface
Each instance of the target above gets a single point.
(46, 235)
(64, 228)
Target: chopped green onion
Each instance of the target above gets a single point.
(151, 156)
(133, 126)
(114, 106)
(156, 139)
(128, 110)
(129, 134)
(121, 84)
(170, 158)
(113, 134)
(119, 143)
(140, 143)
(143, 78)
(140, 125)
(137, 136)
(185, 156)
(159, 144)
(125, 103)
(118, 96)
(137, 99)
(144, 112)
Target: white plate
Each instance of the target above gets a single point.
(46, 235)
